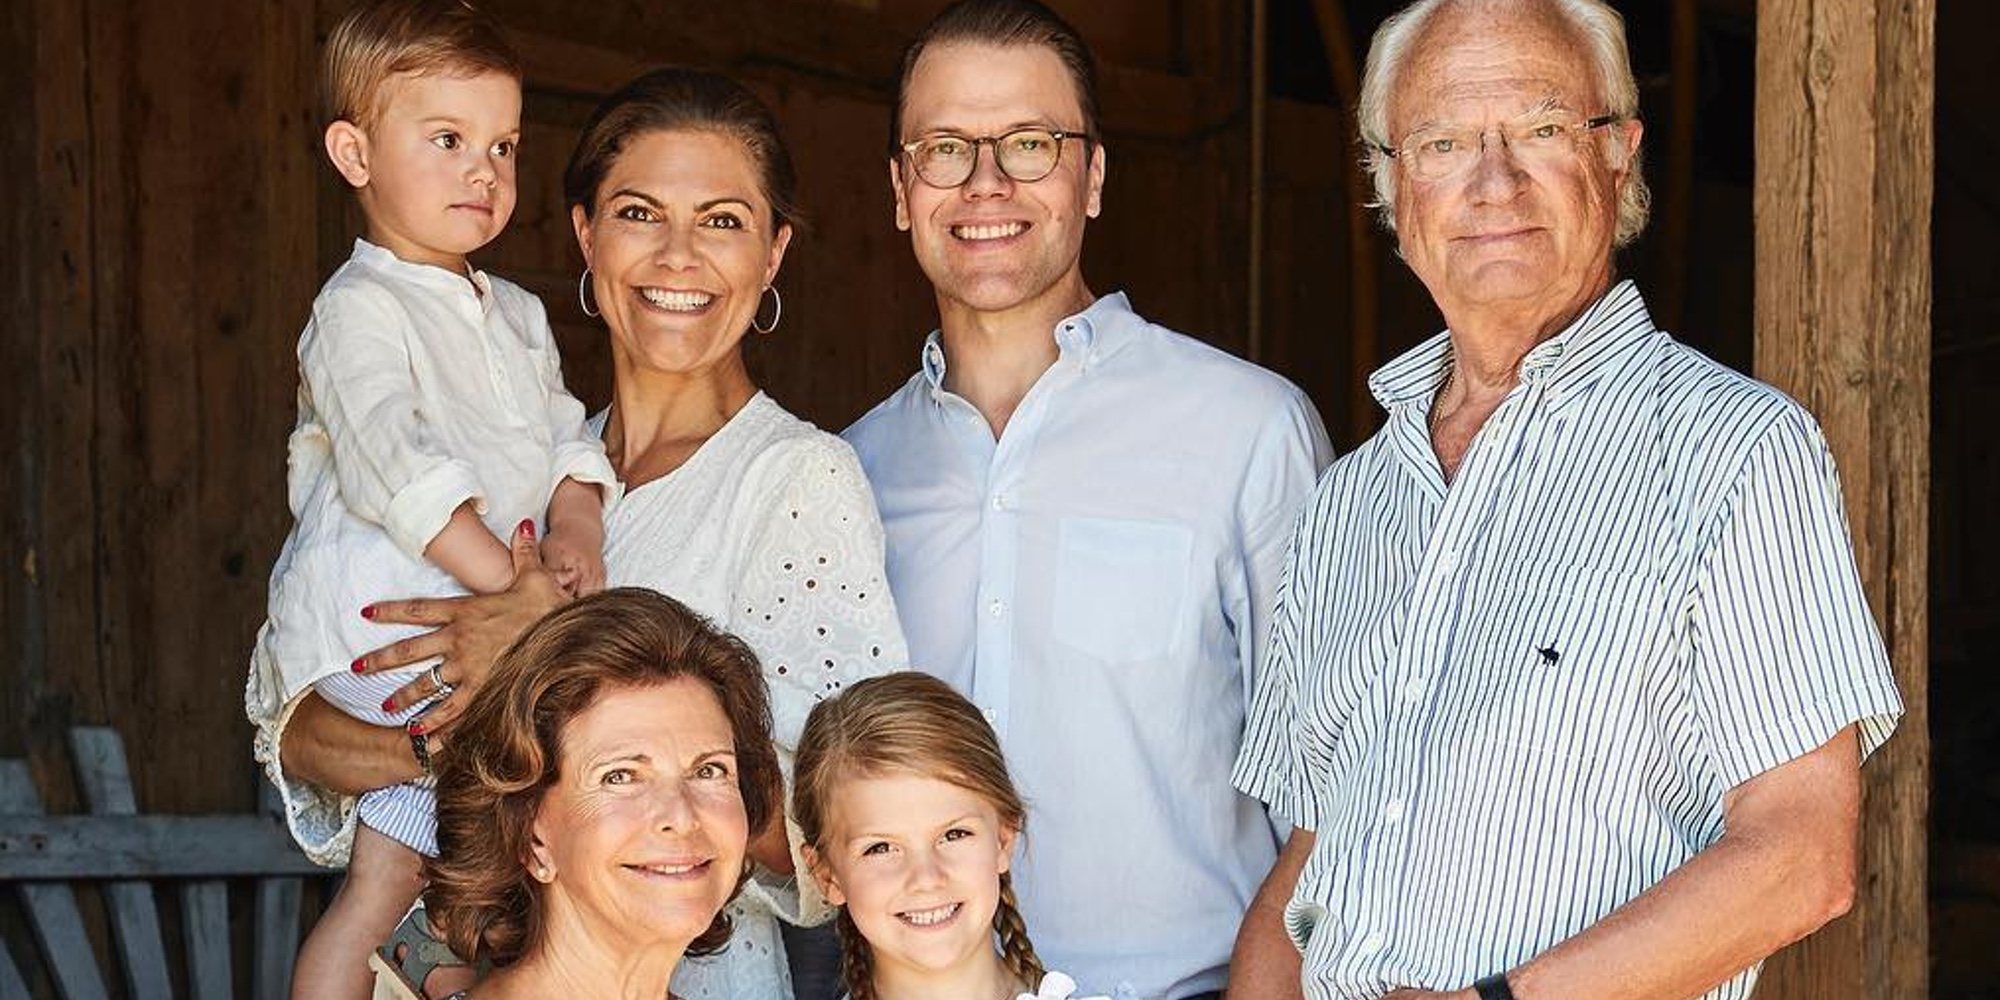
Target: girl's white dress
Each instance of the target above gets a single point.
(770, 529)
(1055, 986)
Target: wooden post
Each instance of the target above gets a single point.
(1260, 101)
(1843, 206)
(1363, 280)
(1675, 223)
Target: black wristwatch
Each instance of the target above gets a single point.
(1494, 987)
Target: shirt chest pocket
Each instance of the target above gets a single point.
(1563, 664)
(521, 395)
(1121, 586)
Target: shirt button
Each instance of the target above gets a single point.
(1000, 501)
(1414, 688)
(1392, 811)
(992, 716)
(1448, 563)
(1371, 944)
(997, 608)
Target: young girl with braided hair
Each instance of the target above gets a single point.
(909, 822)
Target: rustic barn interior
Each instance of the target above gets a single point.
(169, 217)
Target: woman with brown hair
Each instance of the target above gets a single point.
(595, 805)
(683, 199)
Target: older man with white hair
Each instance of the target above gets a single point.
(1571, 675)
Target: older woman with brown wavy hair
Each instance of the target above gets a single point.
(595, 806)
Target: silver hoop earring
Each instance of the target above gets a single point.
(583, 300)
(777, 311)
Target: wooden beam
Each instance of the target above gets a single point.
(1677, 221)
(1843, 206)
(52, 910)
(51, 848)
(99, 757)
(1364, 290)
(276, 940)
(1260, 102)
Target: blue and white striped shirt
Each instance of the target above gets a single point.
(1510, 705)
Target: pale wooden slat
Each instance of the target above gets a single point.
(99, 758)
(277, 927)
(124, 847)
(51, 908)
(205, 924)
(11, 985)
(277, 943)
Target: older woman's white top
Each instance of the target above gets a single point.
(770, 530)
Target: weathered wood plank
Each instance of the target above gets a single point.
(43, 848)
(1364, 286)
(277, 938)
(22, 381)
(12, 987)
(275, 941)
(52, 909)
(99, 758)
(1898, 848)
(205, 926)
(1843, 200)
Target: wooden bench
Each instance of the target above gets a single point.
(124, 855)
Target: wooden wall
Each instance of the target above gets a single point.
(170, 216)
(160, 228)
(171, 219)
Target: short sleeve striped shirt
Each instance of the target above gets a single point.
(1638, 593)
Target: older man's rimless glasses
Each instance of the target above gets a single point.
(1025, 155)
(1441, 152)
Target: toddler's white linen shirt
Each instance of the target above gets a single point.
(418, 391)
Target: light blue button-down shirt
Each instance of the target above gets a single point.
(1099, 581)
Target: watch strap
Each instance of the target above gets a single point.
(1494, 987)
(420, 747)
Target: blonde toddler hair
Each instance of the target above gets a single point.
(381, 38)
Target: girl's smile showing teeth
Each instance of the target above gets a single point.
(929, 918)
(989, 231)
(676, 301)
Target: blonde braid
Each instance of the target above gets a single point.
(1016, 951)
(857, 960)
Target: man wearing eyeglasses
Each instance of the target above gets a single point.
(1085, 514)
(1572, 674)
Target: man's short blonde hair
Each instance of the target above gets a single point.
(379, 39)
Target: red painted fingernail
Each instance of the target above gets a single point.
(368, 611)
(388, 704)
(360, 664)
(416, 729)
(527, 527)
